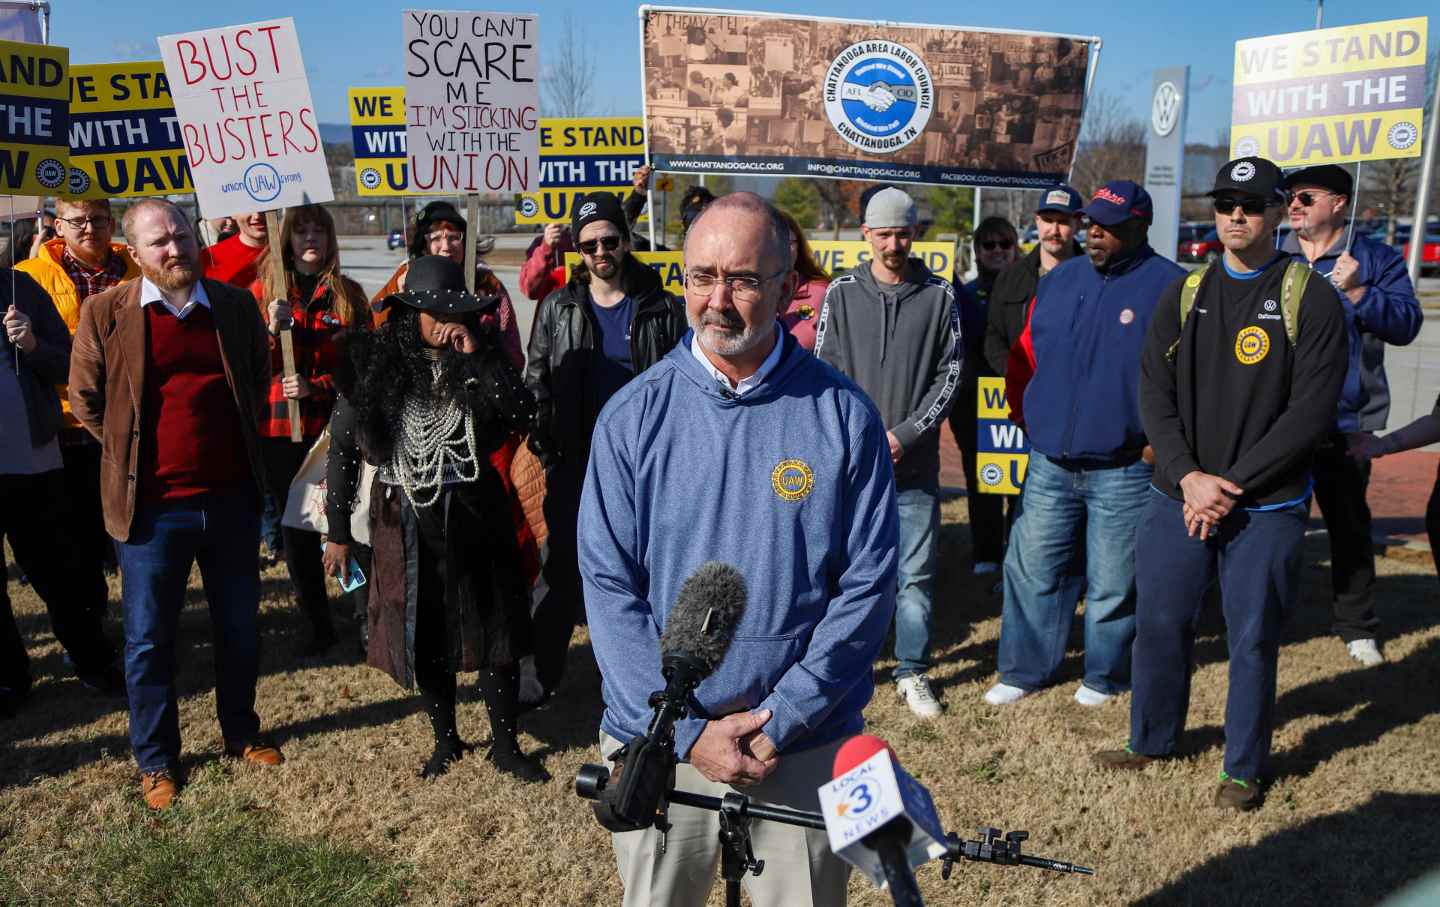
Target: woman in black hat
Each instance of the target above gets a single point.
(425, 398)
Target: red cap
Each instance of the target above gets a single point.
(856, 750)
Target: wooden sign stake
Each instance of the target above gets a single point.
(279, 288)
(472, 236)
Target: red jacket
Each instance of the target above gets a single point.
(544, 270)
(1019, 369)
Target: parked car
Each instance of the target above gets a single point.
(396, 240)
(1429, 252)
(1205, 247)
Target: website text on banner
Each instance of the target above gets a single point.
(578, 156)
(1337, 94)
(1002, 452)
(34, 118)
(249, 127)
(793, 96)
(472, 101)
(833, 256)
(124, 135)
(377, 133)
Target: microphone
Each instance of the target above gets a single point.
(697, 634)
(879, 819)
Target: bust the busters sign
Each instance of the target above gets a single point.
(247, 123)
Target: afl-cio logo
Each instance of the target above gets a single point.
(50, 173)
(1251, 345)
(992, 474)
(79, 181)
(878, 96)
(370, 178)
(793, 480)
(262, 182)
(529, 207)
(1402, 135)
(1165, 108)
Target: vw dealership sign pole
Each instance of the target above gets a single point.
(1165, 156)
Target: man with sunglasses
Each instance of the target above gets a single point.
(1088, 478)
(1241, 372)
(894, 329)
(611, 321)
(1380, 308)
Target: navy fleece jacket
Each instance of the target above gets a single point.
(791, 484)
(1088, 328)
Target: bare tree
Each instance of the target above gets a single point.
(569, 78)
(1390, 185)
(1112, 145)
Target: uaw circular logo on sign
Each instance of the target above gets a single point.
(529, 207)
(1402, 135)
(50, 173)
(1251, 345)
(370, 178)
(992, 474)
(1247, 146)
(1165, 108)
(793, 480)
(879, 96)
(79, 181)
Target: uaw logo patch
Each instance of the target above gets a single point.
(1251, 345)
(587, 209)
(879, 96)
(793, 480)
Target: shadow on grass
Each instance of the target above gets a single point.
(1350, 858)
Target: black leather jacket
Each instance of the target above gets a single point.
(563, 342)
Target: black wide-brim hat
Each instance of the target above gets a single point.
(435, 284)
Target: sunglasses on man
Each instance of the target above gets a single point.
(591, 246)
(1306, 198)
(990, 245)
(1253, 205)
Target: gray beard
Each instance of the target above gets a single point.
(749, 338)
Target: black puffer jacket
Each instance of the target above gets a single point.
(1009, 302)
(563, 344)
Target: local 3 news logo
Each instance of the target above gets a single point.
(864, 793)
(878, 96)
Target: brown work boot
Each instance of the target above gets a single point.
(258, 752)
(1125, 759)
(159, 789)
(1238, 795)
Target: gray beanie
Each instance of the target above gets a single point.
(890, 208)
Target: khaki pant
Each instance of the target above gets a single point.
(800, 870)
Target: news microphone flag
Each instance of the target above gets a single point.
(870, 790)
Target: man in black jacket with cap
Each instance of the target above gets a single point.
(607, 324)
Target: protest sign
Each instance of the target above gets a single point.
(472, 101)
(377, 132)
(578, 156)
(124, 135)
(834, 256)
(1002, 451)
(1331, 95)
(21, 20)
(780, 95)
(669, 265)
(34, 117)
(248, 126)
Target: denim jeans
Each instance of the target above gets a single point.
(919, 519)
(1067, 509)
(219, 532)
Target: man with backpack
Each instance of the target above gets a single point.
(1240, 376)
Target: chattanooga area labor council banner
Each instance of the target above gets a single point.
(1332, 95)
(472, 101)
(124, 135)
(791, 96)
(246, 120)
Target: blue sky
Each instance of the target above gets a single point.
(358, 42)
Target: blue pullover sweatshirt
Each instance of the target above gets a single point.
(790, 483)
(1387, 313)
(1088, 329)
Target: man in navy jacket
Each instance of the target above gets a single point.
(1380, 308)
(1088, 477)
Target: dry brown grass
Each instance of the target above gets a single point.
(1349, 817)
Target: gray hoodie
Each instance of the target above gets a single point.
(901, 344)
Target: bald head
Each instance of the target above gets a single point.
(745, 215)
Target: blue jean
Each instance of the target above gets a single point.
(270, 524)
(1065, 507)
(219, 532)
(919, 520)
(1256, 558)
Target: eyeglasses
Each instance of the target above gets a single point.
(591, 246)
(1250, 204)
(1306, 198)
(990, 245)
(80, 223)
(744, 287)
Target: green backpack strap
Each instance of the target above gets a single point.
(1188, 290)
(1292, 290)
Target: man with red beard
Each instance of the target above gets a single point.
(170, 372)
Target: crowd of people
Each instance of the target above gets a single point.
(775, 417)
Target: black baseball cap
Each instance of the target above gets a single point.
(1327, 176)
(1250, 176)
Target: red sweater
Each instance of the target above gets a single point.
(231, 261)
(191, 438)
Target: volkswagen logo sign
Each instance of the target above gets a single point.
(1165, 108)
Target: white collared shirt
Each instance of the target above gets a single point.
(746, 384)
(150, 293)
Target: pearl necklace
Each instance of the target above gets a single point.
(429, 454)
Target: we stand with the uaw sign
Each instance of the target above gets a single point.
(246, 119)
(472, 101)
(1002, 452)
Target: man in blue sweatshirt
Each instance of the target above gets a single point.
(1380, 308)
(740, 446)
(1088, 479)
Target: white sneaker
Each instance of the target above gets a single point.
(984, 568)
(1088, 697)
(916, 693)
(531, 692)
(1366, 652)
(1004, 694)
